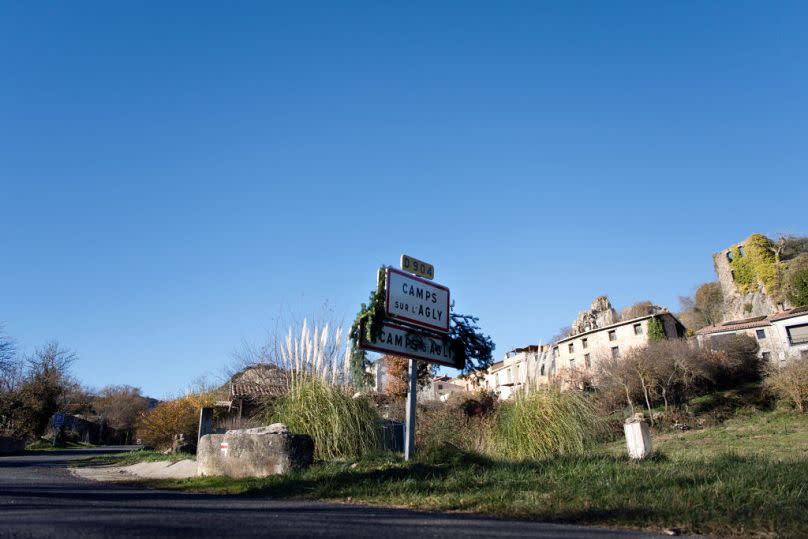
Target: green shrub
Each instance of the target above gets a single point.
(543, 423)
(169, 418)
(452, 425)
(343, 427)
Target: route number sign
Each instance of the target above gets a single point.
(417, 267)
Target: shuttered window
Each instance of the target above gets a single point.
(798, 334)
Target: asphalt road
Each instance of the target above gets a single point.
(40, 498)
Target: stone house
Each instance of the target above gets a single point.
(247, 388)
(782, 336)
(581, 352)
(440, 388)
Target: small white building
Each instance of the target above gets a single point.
(782, 336)
(519, 367)
(440, 388)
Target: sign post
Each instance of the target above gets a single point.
(415, 326)
(409, 440)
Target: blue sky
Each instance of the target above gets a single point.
(173, 176)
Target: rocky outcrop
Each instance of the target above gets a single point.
(599, 315)
(257, 452)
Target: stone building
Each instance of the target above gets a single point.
(751, 275)
(740, 305)
(581, 351)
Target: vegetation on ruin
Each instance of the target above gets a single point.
(656, 329)
(758, 263)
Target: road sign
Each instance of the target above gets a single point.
(417, 267)
(412, 343)
(58, 420)
(417, 301)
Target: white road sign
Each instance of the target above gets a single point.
(412, 343)
(417, 301)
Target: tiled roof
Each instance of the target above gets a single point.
(788, 314)
(258, 381)
(255, 390)
(734, 326)
(750, 323)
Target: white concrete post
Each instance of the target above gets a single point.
(409, 435)
(638, 437)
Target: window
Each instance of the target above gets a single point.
(440, 386)
(555, 352)
(587, 361)
(741, 252)
(572, 363)
(584, 343)
(729, 256)
(798, 334)
(760, 334)
(613, 335)
(571, 348)
(637, 329)
(615, 352)
(542, 370)
(767, 356)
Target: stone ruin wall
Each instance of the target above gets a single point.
(738, 306)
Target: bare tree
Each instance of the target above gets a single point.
(615, 375)
(788, 246)
(44, 387)
(562, 333)
(121, 407)
(398, 375)
(641, 308)
(705, 308)
(8, 352)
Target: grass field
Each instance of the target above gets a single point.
(747, 477)
(47, 445)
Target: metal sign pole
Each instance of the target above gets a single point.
(409, 440)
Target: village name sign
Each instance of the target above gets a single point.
(416, 317)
